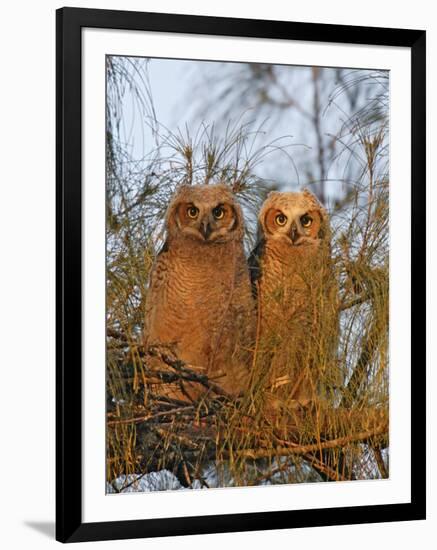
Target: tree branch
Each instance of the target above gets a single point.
(294, 449)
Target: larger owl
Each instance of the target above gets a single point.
(199, 298)
(293, 280)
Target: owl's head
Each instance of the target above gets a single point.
(297, 219)
(205, 213)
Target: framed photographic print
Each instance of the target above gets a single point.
(240, 274)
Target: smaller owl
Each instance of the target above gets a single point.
(199, 299)
(293, 280)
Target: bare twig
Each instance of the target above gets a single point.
(149, 418)
(380, 462)
(184, 372)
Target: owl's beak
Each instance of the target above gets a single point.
(294, 233)
(205, 229)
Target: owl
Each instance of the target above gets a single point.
(293, 280)
(199, 298)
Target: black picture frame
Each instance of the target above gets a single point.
(69, 525)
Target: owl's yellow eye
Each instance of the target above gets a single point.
(218, 212)
(281, 219)
(192, 212)
(306, 220)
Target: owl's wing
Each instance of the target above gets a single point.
(158, 270)
(157, 278)
(254, 264)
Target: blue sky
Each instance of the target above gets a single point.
(185, 95)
